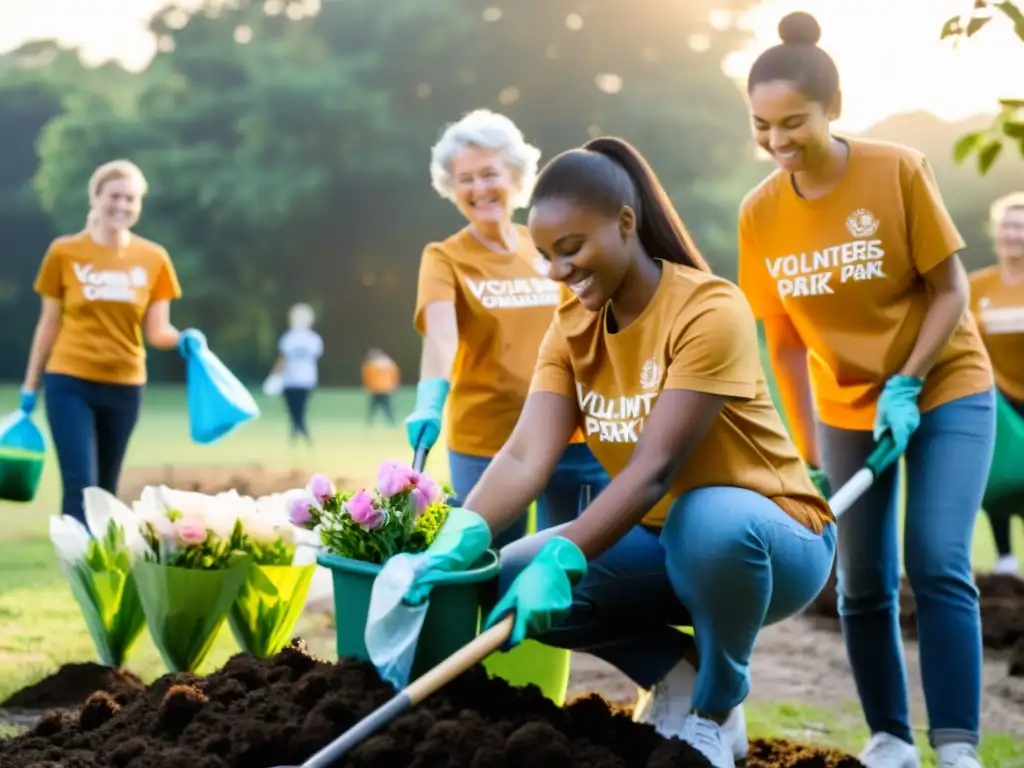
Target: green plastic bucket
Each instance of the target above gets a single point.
(452, 620)
(20, 471)
(1005, 478)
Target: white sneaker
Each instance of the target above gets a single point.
(667, 705)
(886, 751)
(1007, 565)
(706, 737)
(958, 756)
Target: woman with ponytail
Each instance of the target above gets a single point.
(103, 291)
(710, 519)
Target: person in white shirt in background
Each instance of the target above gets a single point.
(300, 351)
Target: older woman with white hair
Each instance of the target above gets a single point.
(483, 306)
(300, 350)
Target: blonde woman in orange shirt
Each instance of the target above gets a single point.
(483, 305)
(849, 256)
(104, 290)
(380, 379)
(997, 302)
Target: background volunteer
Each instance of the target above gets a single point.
(483, 306)
(300, 349)
(380, 379)
(103, 291)
(997, 302)
(710, 518)
(847, 252)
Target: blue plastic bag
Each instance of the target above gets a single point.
(22, 455)
(218, 403)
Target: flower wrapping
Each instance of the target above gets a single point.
(98, 563)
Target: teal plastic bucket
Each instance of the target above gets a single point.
(452, 620)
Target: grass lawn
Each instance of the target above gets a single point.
(41, 627)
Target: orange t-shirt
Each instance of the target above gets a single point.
(698, 333)
(998, 309)
(503, 305)
(104, 293)
(846, 268)
(380, 376)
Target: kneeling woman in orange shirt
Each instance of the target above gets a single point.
(848, 253)
(710, 518)
(103, 290)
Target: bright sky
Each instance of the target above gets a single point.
(889, 56)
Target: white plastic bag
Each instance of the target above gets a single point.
(273, 385)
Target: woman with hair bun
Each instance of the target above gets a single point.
(850, 259)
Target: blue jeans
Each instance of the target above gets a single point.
(947, 464)
(558, 503)
(728, 562)
(91, 424)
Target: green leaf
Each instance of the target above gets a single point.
(1014, 14)
(976, 24)
(966, 144)
(987, 155)
(951, 28)
(1014, 129)
(1012, 103)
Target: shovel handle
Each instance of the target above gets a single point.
(419, 459)
(881, 458)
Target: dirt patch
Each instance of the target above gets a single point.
(72, 684)
(258, 714)
(1017, 660)
(249, 480)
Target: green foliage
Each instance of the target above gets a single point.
(1008, 126)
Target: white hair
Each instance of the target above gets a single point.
(486, 130)
(301, 317)
(1004, 205)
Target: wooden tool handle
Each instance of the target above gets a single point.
(472, 653)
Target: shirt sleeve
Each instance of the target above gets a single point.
(436, 283)
(553, 372)
(318, 345)
(755, 281)
(932, 234)
(49, 280)
(714, 346)
(166, 286)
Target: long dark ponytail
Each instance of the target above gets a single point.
(609, 173)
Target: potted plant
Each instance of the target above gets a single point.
(360, 530)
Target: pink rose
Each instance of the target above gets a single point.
(425, 493)
(303, 509)
(190, 531)
(321, 487)
(393, 479)
(363, 511)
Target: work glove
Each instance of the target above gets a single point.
(190, 342)
(27, 404)
(897, 410)
(541, 595)
(423, 425)
(398, 599)
(820, 480)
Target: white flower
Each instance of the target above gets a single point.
(102, 507)
(70, 539)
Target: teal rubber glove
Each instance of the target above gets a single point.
(398, 598)
(541, 595)
(897, 410)
(27, 404)
(423, 425)
(820, 480)
(190, 342)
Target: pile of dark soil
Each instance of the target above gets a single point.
(1002, 609)
(253, 480)
(257, 714)
(786, 754)
(72, 684)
